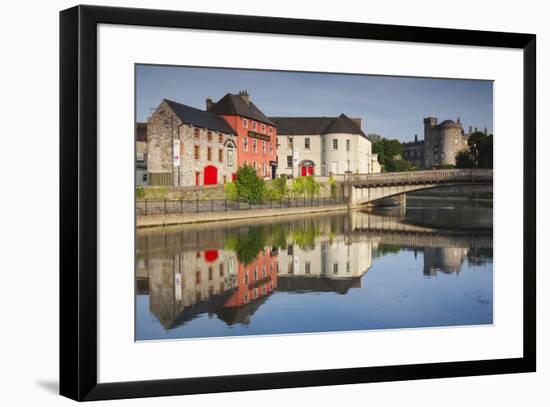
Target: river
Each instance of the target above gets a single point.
(427, 265)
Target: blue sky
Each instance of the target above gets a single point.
(390, 106)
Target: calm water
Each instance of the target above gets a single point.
(428, 265)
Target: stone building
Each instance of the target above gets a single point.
(255, 132)
(189, 147)
(442, 141)
(322, 146)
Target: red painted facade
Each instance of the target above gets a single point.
(255, 280)
(256, 143)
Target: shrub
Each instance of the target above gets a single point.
(279, 189)
(230, 190)
(333, 186)
(140, 192)
(250, 187)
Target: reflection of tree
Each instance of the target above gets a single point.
(479, 256)
(305, 235)
(247, 245)
(384, 248)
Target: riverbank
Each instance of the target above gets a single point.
(148, 221)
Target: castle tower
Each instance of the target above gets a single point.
(429, 140)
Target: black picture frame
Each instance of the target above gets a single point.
(78, 196)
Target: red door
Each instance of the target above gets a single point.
(303, 170)
(310, 170)
(210, 175)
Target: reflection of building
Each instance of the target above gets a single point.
(442, 141)
(255, 281)
(323, 145)
(443, 259)
(189, 283)
(326, 265)
(188, 146)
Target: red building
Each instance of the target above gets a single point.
(256, 134)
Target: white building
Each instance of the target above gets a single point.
(322, 146)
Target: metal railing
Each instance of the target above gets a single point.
(427, 176)
(155, 207)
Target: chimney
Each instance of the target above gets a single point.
(209, 103)
(416, 138)
(245, 97)
(485, 130)
(458, 122)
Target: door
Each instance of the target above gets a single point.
(334, 167)
(210, 175)
(310, 170)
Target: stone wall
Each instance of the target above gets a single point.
(213, 148)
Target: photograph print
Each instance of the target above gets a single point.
(282, 202)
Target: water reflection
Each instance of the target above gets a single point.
(211, 280)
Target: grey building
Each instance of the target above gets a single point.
(189, 147)
(442, 141)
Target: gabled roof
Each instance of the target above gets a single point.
(199, 118)
(235, 105)
(292, 126)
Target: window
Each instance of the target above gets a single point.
(255, 165)
(263, 169)
(255, 273)
(348, 145)
(335, 268)
(255, 145)
(197, 153)
(230, 157)
(245, 162)
(277, 142)
(270, 148)
(221, 269)
(245, 123)
(288, 161)
(263, 147)
(197, 132)
(263, 128)
(289, 142)
(209, 154)
(209, 136)
(210, 274)
(307, 267)
(307, 144)
(270, 129)
(254, 125)
(335, 144)
(220, 155)
(245, 143)
(220, 138)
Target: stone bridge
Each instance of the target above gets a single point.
(364, 189)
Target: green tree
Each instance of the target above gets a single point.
(250, 187)
(279, 188)
(230, 189)
(464, 159)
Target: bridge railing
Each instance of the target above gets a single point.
(426, 176)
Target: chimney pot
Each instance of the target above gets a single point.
(209, 103)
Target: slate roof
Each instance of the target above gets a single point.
(141, 132)
(292, 126)
(199, 118)
(234, 105)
